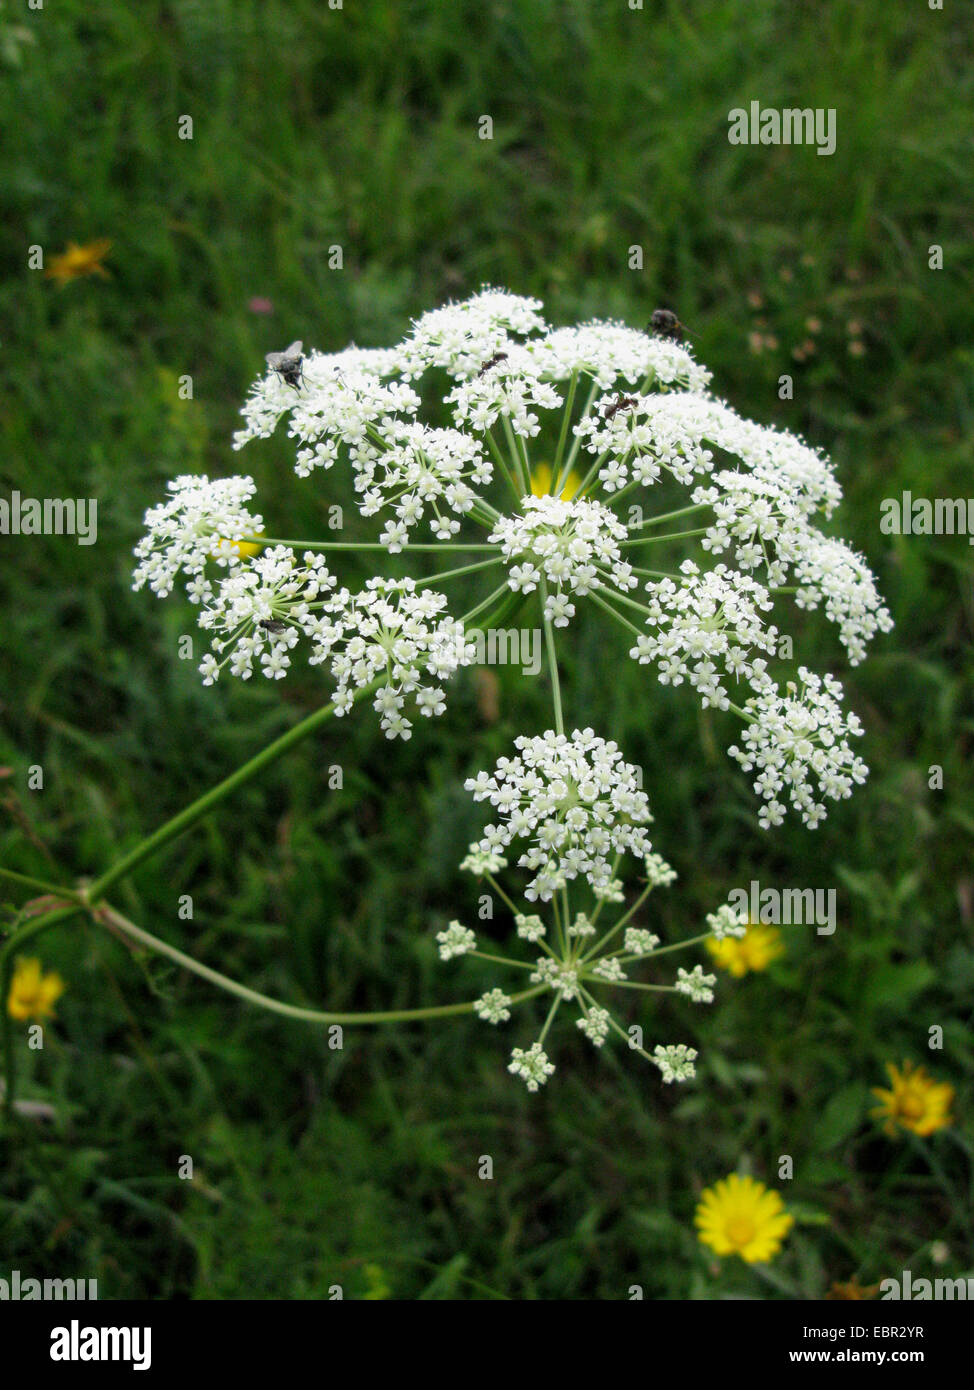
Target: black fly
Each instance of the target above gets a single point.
(665, 324)
(287, 364)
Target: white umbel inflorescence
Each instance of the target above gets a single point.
(798, 743)
(574, 799)
(573, 544)
(708, 630)
(203, 521)
(396, 634)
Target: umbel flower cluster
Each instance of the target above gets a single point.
(554, 468)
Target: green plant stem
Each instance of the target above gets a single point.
(616, 1028)
(501, 588)
(613, 614)
(192, 813)
(670, 516)
(549, 637)
(502, 464)
(277, 1006)
(364, 545)
(577, 441)
(563, 436)
(522, 473)
(670, 536)
(464, 569)
(626, 917)
(25, 881)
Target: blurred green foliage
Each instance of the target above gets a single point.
(358, 127)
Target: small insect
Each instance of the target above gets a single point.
(272, 625)
(620, 403)
(497, 357)
(287, 364)
(666, 325)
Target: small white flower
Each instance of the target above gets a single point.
(675, 1061)
(480, 862)
(574, 544)
(640, 942)
(595, 1025)
(610, 892)
(727, 921)
(658, 872)
(394, 632)
(494, 1006)
(609, 969)
(529, 928)
(612, 353)
(797, 743)
(581, 926)
(456, 940)
(532, 1066)
(696, 985)
(557, 976)
(708, 619)
(460, 338)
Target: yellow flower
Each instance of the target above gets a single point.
(244, 548)
(755, 950)
(79, 260)
(33, 994)
(541, 481)
(740, 1216)
(916, 1101)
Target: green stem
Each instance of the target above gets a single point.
(563, 436)
(364, 545)
(550, 1019)
(627, 917)
(464, 569)
(524, 479)
(675, 946)
(39, 884)
(501, 462)
(613, 614)
(486, 603)
(549, 637)
(577, 441)
(192, 813)
(671, 516)
(276, 1006)
(504, 960)
(616, 1028)
(670, 536)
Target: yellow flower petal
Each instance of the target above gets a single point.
(914, 1101)
(32, 993)
(740, 1216)
(79, 260)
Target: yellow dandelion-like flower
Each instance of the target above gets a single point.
(915, 1101)
(740, 1216)
(755, 950)
(541, 481)
(32, 993)
(77, 260)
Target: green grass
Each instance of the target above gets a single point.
(359, 127)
